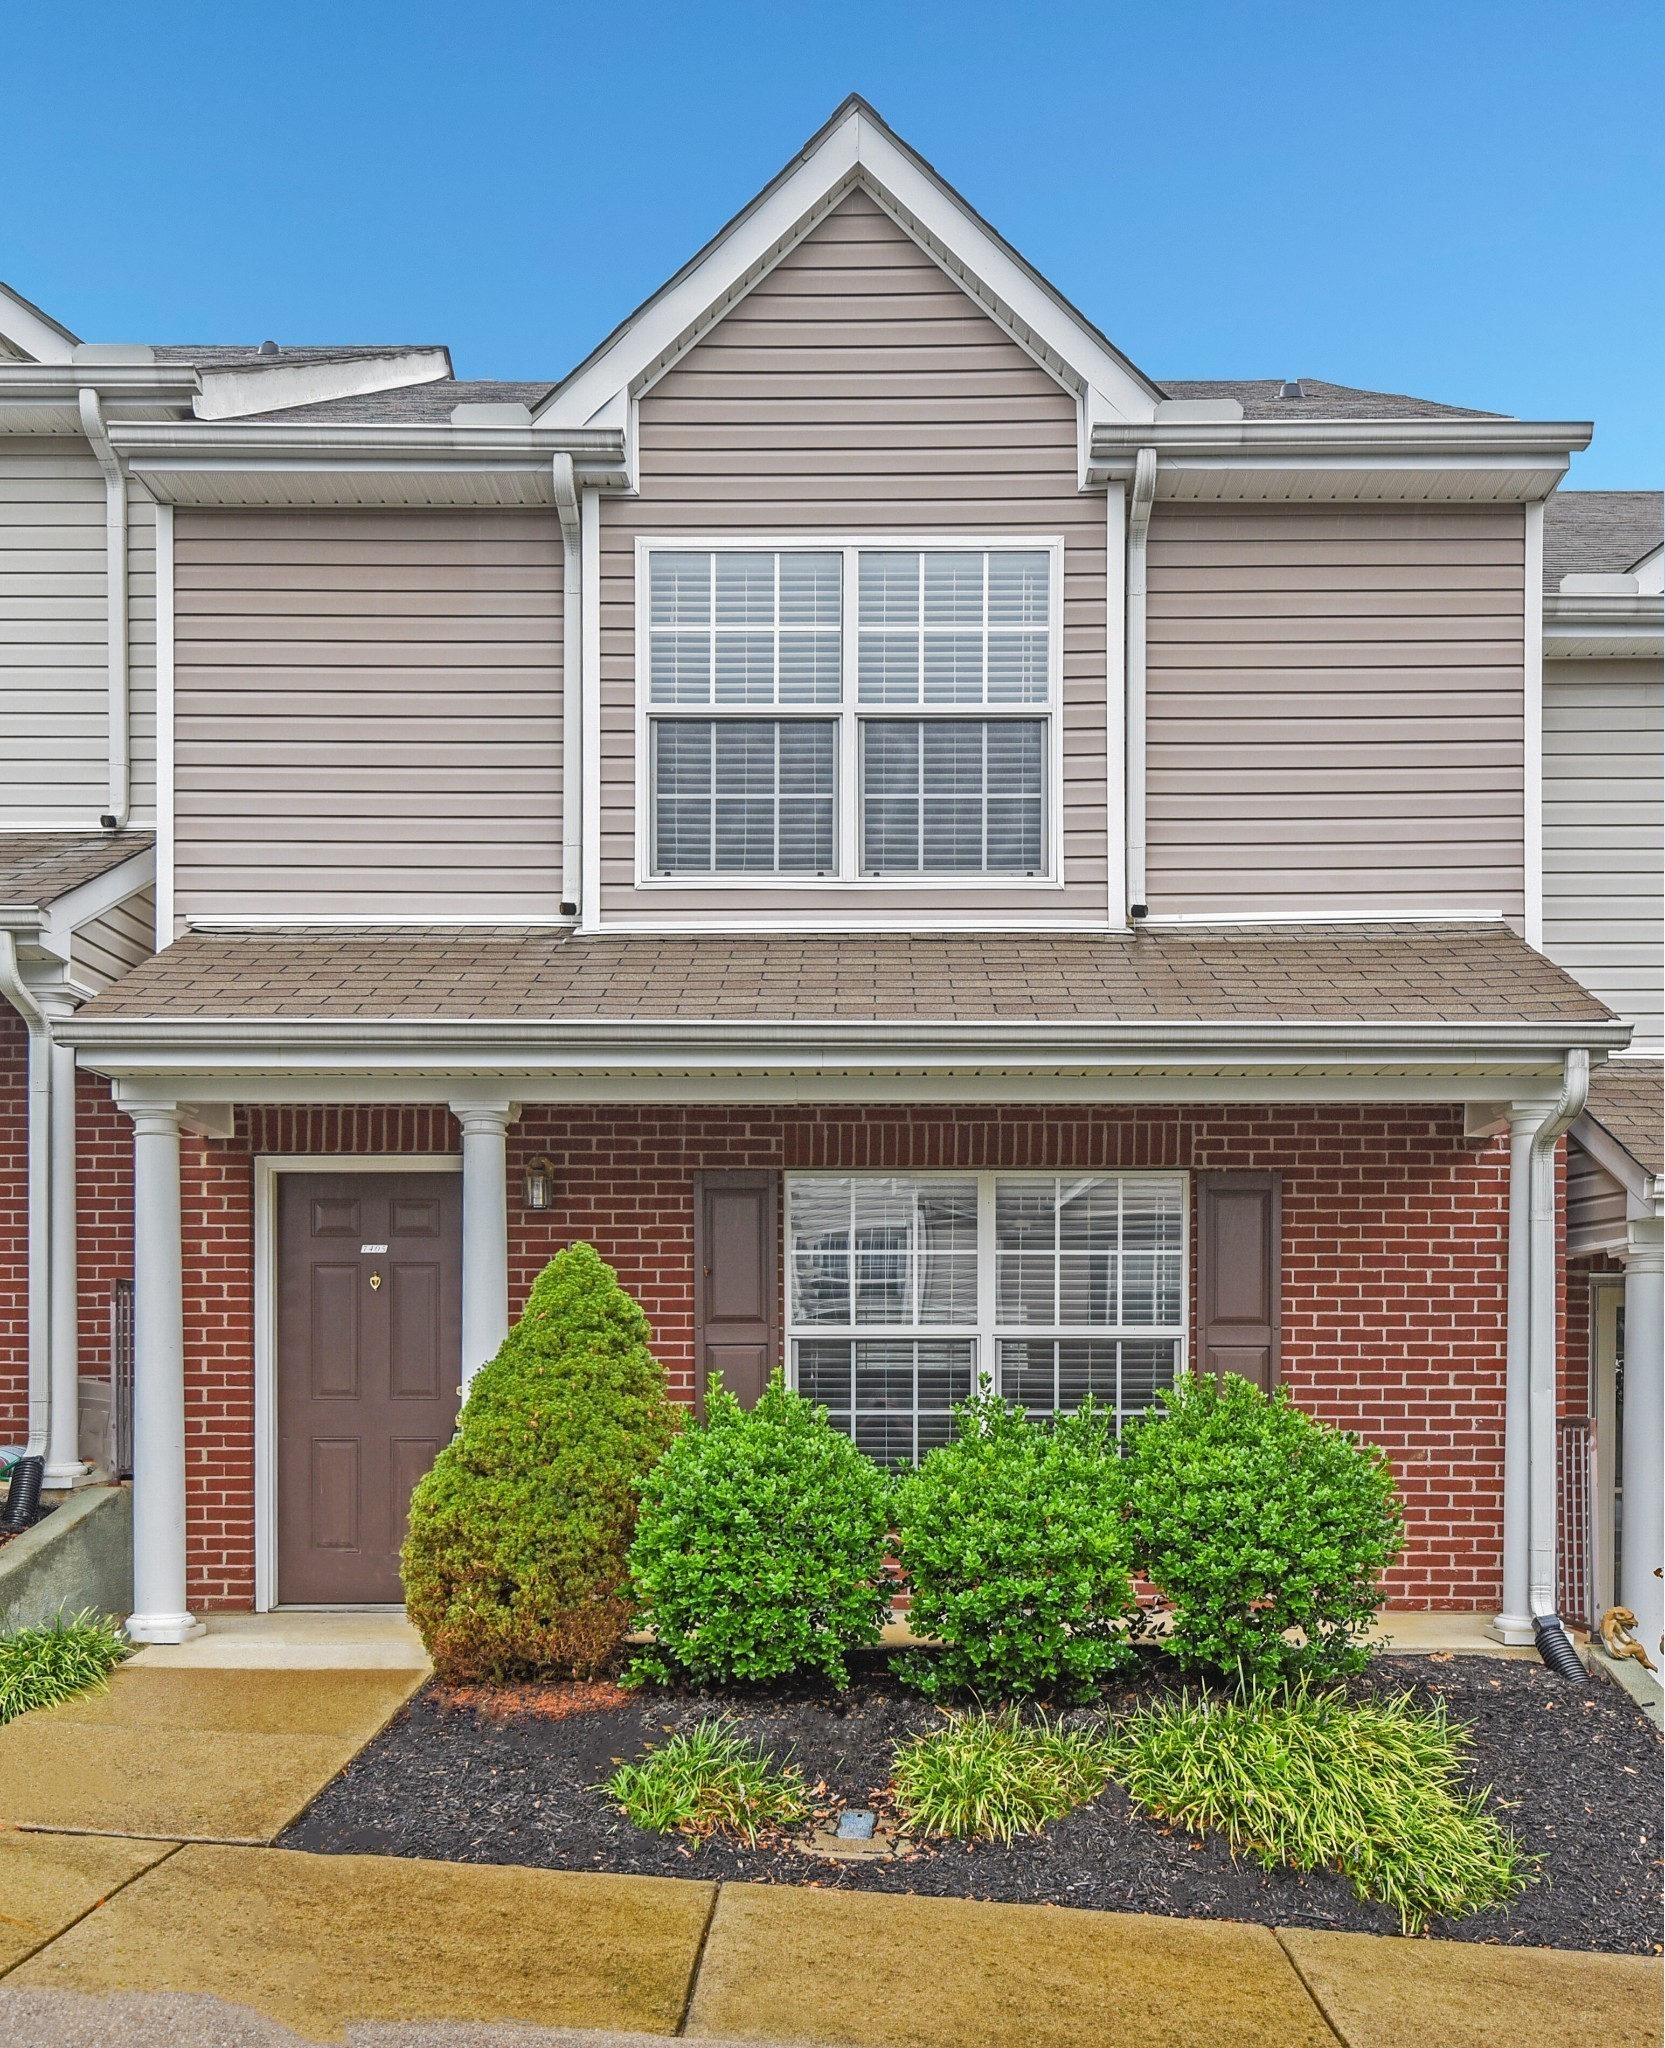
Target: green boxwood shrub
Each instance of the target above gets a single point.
(516, 1561)
(761, 1547)
(1253, 1518)
(1015, 1544)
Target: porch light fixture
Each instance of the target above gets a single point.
(538, 1183)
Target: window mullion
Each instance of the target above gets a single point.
(988, 1351)
(849, 767)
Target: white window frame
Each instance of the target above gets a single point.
(986, 1332)
(849, 712)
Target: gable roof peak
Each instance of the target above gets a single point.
(854, 147)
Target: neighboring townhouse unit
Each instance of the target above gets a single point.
(1604, 795)
(945, 857)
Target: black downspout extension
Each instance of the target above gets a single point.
(1555, 1647)
(22, 1509)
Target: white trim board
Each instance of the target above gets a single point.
(165, 825)
(267, 1167)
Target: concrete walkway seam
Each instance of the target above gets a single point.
(87, 1912)
(1324, 2012)
(699, 1963)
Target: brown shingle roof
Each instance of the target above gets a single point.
(1431, 973)
(1260, 399)
(1627, 1098)
(36, 868)
(1599, 532)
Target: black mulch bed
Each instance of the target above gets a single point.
(514, 1777)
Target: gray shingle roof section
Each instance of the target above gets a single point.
(1600, 533)
(245, 355)
(1627, 1098)
(411, 404)
(1259, 399)
(36, 868)
(1402, 973)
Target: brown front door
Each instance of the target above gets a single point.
(736, 1281)
(369, 1350)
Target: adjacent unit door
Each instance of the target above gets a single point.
(369, 1351)
(736, 1281)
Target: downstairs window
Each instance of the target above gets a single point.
(906, 1293)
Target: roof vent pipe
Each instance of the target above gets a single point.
(268, 348)
(1291, 388)
(115, 606)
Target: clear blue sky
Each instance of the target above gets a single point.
(1460, 200)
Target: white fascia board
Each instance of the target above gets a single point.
(965, 1085)
(1615, 1161)
(1650, 573)
(855, 150)
(42, 398)
(26, 331)
(1618, 626)
(253, 388)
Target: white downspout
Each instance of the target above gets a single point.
(115, 573)
(1141, 498)
(1541, 1326)
(572, 684)
(21, 997)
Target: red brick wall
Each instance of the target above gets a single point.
(1394, 1274)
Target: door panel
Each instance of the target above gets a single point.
(369, 1349)
(1239, 1265)
(736, 1281)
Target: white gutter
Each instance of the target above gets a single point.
(1116, 443)
(1143, 497)
(115, 607)
(1541, 1328)
(573, 737)
(17, 992)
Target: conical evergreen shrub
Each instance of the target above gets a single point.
(515, 1565)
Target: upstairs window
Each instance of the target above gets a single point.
(850, 713)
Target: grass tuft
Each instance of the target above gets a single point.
(41, 1666)
(710, 1779)
(1308, 1780)
(997, 1775)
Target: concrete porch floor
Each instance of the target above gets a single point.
(301, 1639)
(293, 1639)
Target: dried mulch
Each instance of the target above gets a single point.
(512, 1775)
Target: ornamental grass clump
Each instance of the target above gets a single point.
(710, 1780)
(761, 1546)
(516, 1564)
(72, 1655)
(1306, 1781)
(997, 1775)
(1266, 1530)
(1014, 1540)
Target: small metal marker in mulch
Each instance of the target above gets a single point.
(856, 1839)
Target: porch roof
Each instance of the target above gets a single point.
(1358, 974)
(1627, 1098)
(37, 868)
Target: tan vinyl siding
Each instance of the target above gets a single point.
(54, 666)
(1603, 797)
(105, 947)
(858, 390)
(1335, 709)
(367, 714)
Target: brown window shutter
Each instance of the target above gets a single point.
(1239, 1261)
(736, 1281)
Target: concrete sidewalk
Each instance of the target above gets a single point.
(138, 1905)
(117, 1941)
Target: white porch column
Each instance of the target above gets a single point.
(485, 1247)
(1514, 1623)
(1643, 1448)
(159, 1611)
(63, 1438)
